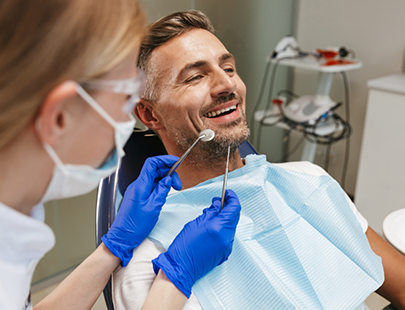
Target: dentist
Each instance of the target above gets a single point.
(68, 84)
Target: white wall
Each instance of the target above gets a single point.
(156, 9)
(374, 29)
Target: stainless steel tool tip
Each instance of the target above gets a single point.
(207, 135)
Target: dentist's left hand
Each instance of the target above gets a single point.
(141, 206)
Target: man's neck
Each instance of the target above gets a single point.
(192, 174)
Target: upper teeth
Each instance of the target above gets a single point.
(215, 113)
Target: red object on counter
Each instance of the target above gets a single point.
(278, 101)
(336, 62)
(327, 54)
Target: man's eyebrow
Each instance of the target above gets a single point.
(193, 65)
(226, 56)
(201, 63)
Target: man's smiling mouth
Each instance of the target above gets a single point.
(221, 112)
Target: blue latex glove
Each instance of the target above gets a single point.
(141, 206)
(203, 244)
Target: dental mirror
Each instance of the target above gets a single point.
(205, 135)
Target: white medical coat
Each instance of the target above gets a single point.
(24, 240)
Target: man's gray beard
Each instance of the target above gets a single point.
(211, 154)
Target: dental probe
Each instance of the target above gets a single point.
(225, 179)
(205, 135)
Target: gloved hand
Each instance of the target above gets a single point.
(203, 244)
(141, 206)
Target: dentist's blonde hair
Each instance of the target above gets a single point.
(43, 43)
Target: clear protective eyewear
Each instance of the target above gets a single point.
(133, 87)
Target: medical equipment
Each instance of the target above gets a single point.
(309, 109)
(287, 47)
(225, 178)
(308, 112)
(205, 135)
(298, 244)
(312, 115)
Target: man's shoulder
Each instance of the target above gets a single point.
(303, 167)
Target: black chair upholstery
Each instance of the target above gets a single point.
(141, 145)
(390, 307)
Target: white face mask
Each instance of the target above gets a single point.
(73, 180)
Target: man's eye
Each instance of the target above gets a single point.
(194, 78)
(229, 70)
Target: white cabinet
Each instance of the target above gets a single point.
(380, 187)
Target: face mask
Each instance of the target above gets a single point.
(70, 180)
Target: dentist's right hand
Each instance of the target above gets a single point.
(141, 206)
(203, 244)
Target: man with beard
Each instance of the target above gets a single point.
(192, 84)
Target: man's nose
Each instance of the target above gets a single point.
(223, 84)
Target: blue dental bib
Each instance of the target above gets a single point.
(298, 244)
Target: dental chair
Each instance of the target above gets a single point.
(141, 145)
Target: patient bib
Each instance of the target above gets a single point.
(298, 244)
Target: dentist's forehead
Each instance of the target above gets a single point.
(194, 46)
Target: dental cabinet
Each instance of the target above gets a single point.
(380, 187)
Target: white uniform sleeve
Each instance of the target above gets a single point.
(309, 168)
(132, 283)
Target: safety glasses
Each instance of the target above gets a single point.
(132, 87)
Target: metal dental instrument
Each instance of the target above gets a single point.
(205, 135)
(225, 179)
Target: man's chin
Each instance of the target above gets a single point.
(221, 148)
(232, 136)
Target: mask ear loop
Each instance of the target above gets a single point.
(130, 104)
(51, 152)
(134, 99)
(93, 103)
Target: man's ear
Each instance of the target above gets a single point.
(51, 120)
(147, 115)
